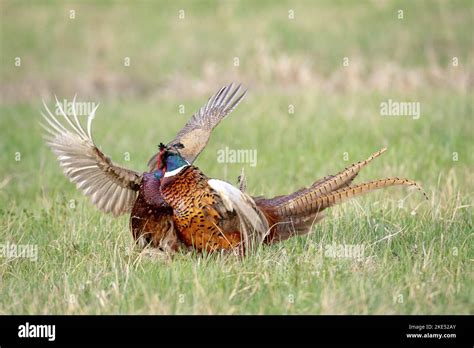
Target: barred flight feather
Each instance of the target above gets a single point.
(111, 188)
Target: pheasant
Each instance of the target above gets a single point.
(118, 190)
(211, 214)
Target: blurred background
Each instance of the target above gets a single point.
(318, 70)
(187, 48)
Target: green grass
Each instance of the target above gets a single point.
(418, 255)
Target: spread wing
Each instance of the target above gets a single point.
(111, 188)
(195, 134)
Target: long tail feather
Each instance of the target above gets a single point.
(345, 177)
(329, 183)
(343, 194)
(297, 212)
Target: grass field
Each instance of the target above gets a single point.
(306, 114)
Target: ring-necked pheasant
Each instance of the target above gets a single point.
(117, 190)
(211, 214)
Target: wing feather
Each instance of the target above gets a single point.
(112, 188)
(195, 134)
(253, 225)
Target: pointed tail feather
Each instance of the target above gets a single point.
(299, 213)
(329, 183)
(294, 214)
(343, 194)
(321, 187)
(313, 202)
(345, 177)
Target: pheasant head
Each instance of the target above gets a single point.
(170, 161)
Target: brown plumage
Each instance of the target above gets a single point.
(151, 219)
(200, 218)
(210, 214)
(293, 214)
(175, 203)
(118, 190)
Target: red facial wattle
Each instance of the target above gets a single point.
(160, 164)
